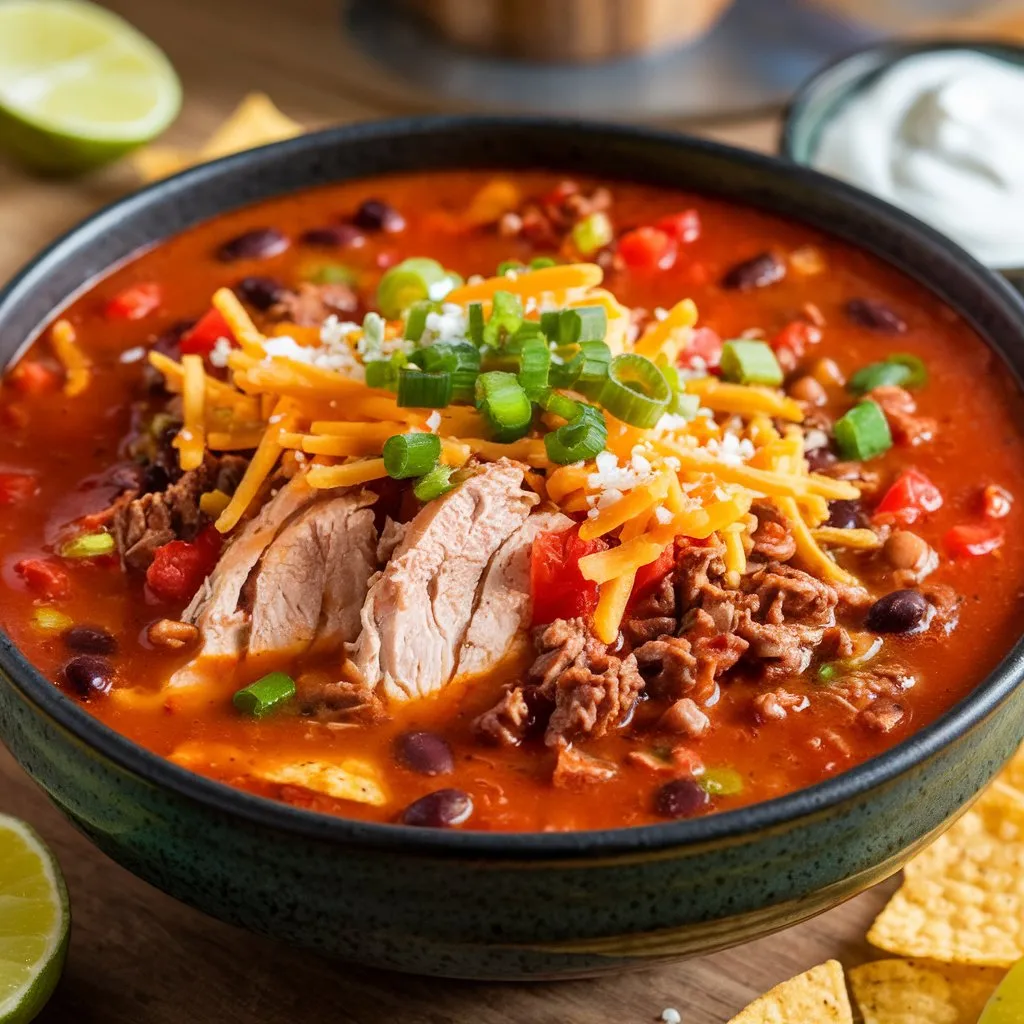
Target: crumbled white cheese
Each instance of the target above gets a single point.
(333, 353)
(732, 449)
(670, 421)
(287, 348)
(660, 312)
(610, 475)
(132, 355)
(530, 304)
(696, 369)
(222, 348)
(434, 421)
(333, 330)
(662, 514)
(670, 1015)
(448, 325)
(474, 278)
(815, 438)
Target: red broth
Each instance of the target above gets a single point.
(67, 446)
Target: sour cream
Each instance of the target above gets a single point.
(941, 135)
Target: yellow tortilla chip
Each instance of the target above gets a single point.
(817, 996)
(915, 992)
(962, 899)
(254, 122)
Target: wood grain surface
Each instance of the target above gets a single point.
(138, 957)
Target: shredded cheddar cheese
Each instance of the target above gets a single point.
(64, 341)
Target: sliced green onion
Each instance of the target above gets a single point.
(413, 280)
(750, 362)
(596, 360)
(636, 391)
(902, 369)
(504, 403)
(383, 373)
(684, 405)
(407, 455)
(542, 262)
(416, 318)
(528, 330)
(560, 405)
(50, 620)
(551, 324)
(433, 484)
(572, 326)
(827, 672)
(592, 233)
(721, 782)
(506, 317)
(267, 694)
(420, 389)
(475, 322)
(510, 265)
(580, 439)
(89, 545)
(863, 432)
(373, 332)
(460, 359)
(534, 364)
(330, 273)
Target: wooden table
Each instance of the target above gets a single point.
(138, 957)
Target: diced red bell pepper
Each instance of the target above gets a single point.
(179, 568)
(32, 378)
(647, 249)
(649, 576)
(996, 502)
(556, 583)
(705, 345)
(135, 302)
(909, 498)
(44, 578)
(795, 338)
(16, 487)
(683, 227)
(972, 540)
(200, 339)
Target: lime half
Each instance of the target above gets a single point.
(1007, 1003)
(34, 922)
(78, 85)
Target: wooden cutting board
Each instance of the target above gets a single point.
(137, 957)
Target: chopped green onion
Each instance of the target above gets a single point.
(560, 405)
(572, 326)
(636, 391)
(586, 371)
(750, 362)
(534, 364)
(89, 545)
(592, 233)
(475, 322)
(551, 324)
(513, 266)
(265, 695)
(433, 484)
(863, 432)
(413, 280)
(407, 455)
(504, 403)
(373, 332)
(899, 370)
(330, 273)
(460, 359)
(50, 620)
(721, 782)
(684, 405)
(383, 373)
(420, 389)
(416, 318)
(542, 263)
(827, 672)
(526, 331)
(506, 316)
(583, 437)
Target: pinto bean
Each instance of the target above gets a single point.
(680, 798)
(875, 316)
(902, 611)
(757, 272)
(258, 244)
(172, 633)
(89, 675)
(807, 389)
(905, 550)
(444, 808)
(425, 753)
(261, 292)
(89, 640)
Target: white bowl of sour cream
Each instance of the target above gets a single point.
(937, 129)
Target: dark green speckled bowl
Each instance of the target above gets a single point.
(480, 905)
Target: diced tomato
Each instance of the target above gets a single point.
(683, 227)
(135, 302)
(647, 249)
(910, 497)
(179, 568)
(649, 576)
(556, 583)
(15, 487)
(795, 338)
(43, 577)
(996, 501)
(705, 345)
(32, 378)
(971, 540)
(201, 339)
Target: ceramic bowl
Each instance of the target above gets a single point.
(480, 905)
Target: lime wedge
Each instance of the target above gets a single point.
(1007, 1003)
(34, 922)
(78, 85)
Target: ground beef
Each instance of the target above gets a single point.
(311, 304)
(327, 699)
(685, 717)
(773, 541)
(546, 222)
(508, 721)
(872, 695)
(143, 522)
(900, 410)
(653, 616)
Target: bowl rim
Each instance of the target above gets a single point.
(890, 52)
(737, 824)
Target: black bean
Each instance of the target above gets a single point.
(902, 611)
(424, 752)
(89, 675)
(376, 215)
(844, 515)
(820, 458)
(334, 236)
(875, 316)
(258, 244)
(681, 798)
(261, 292)
(758, 272)
(155, 478)
(441, 809)
(89, 640)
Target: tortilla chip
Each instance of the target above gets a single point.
(817, 996)
(255, 122)
(915, 992)
(962, 899)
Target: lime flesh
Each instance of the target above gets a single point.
(78, 85)
(1007, 1003)
(34, 923)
